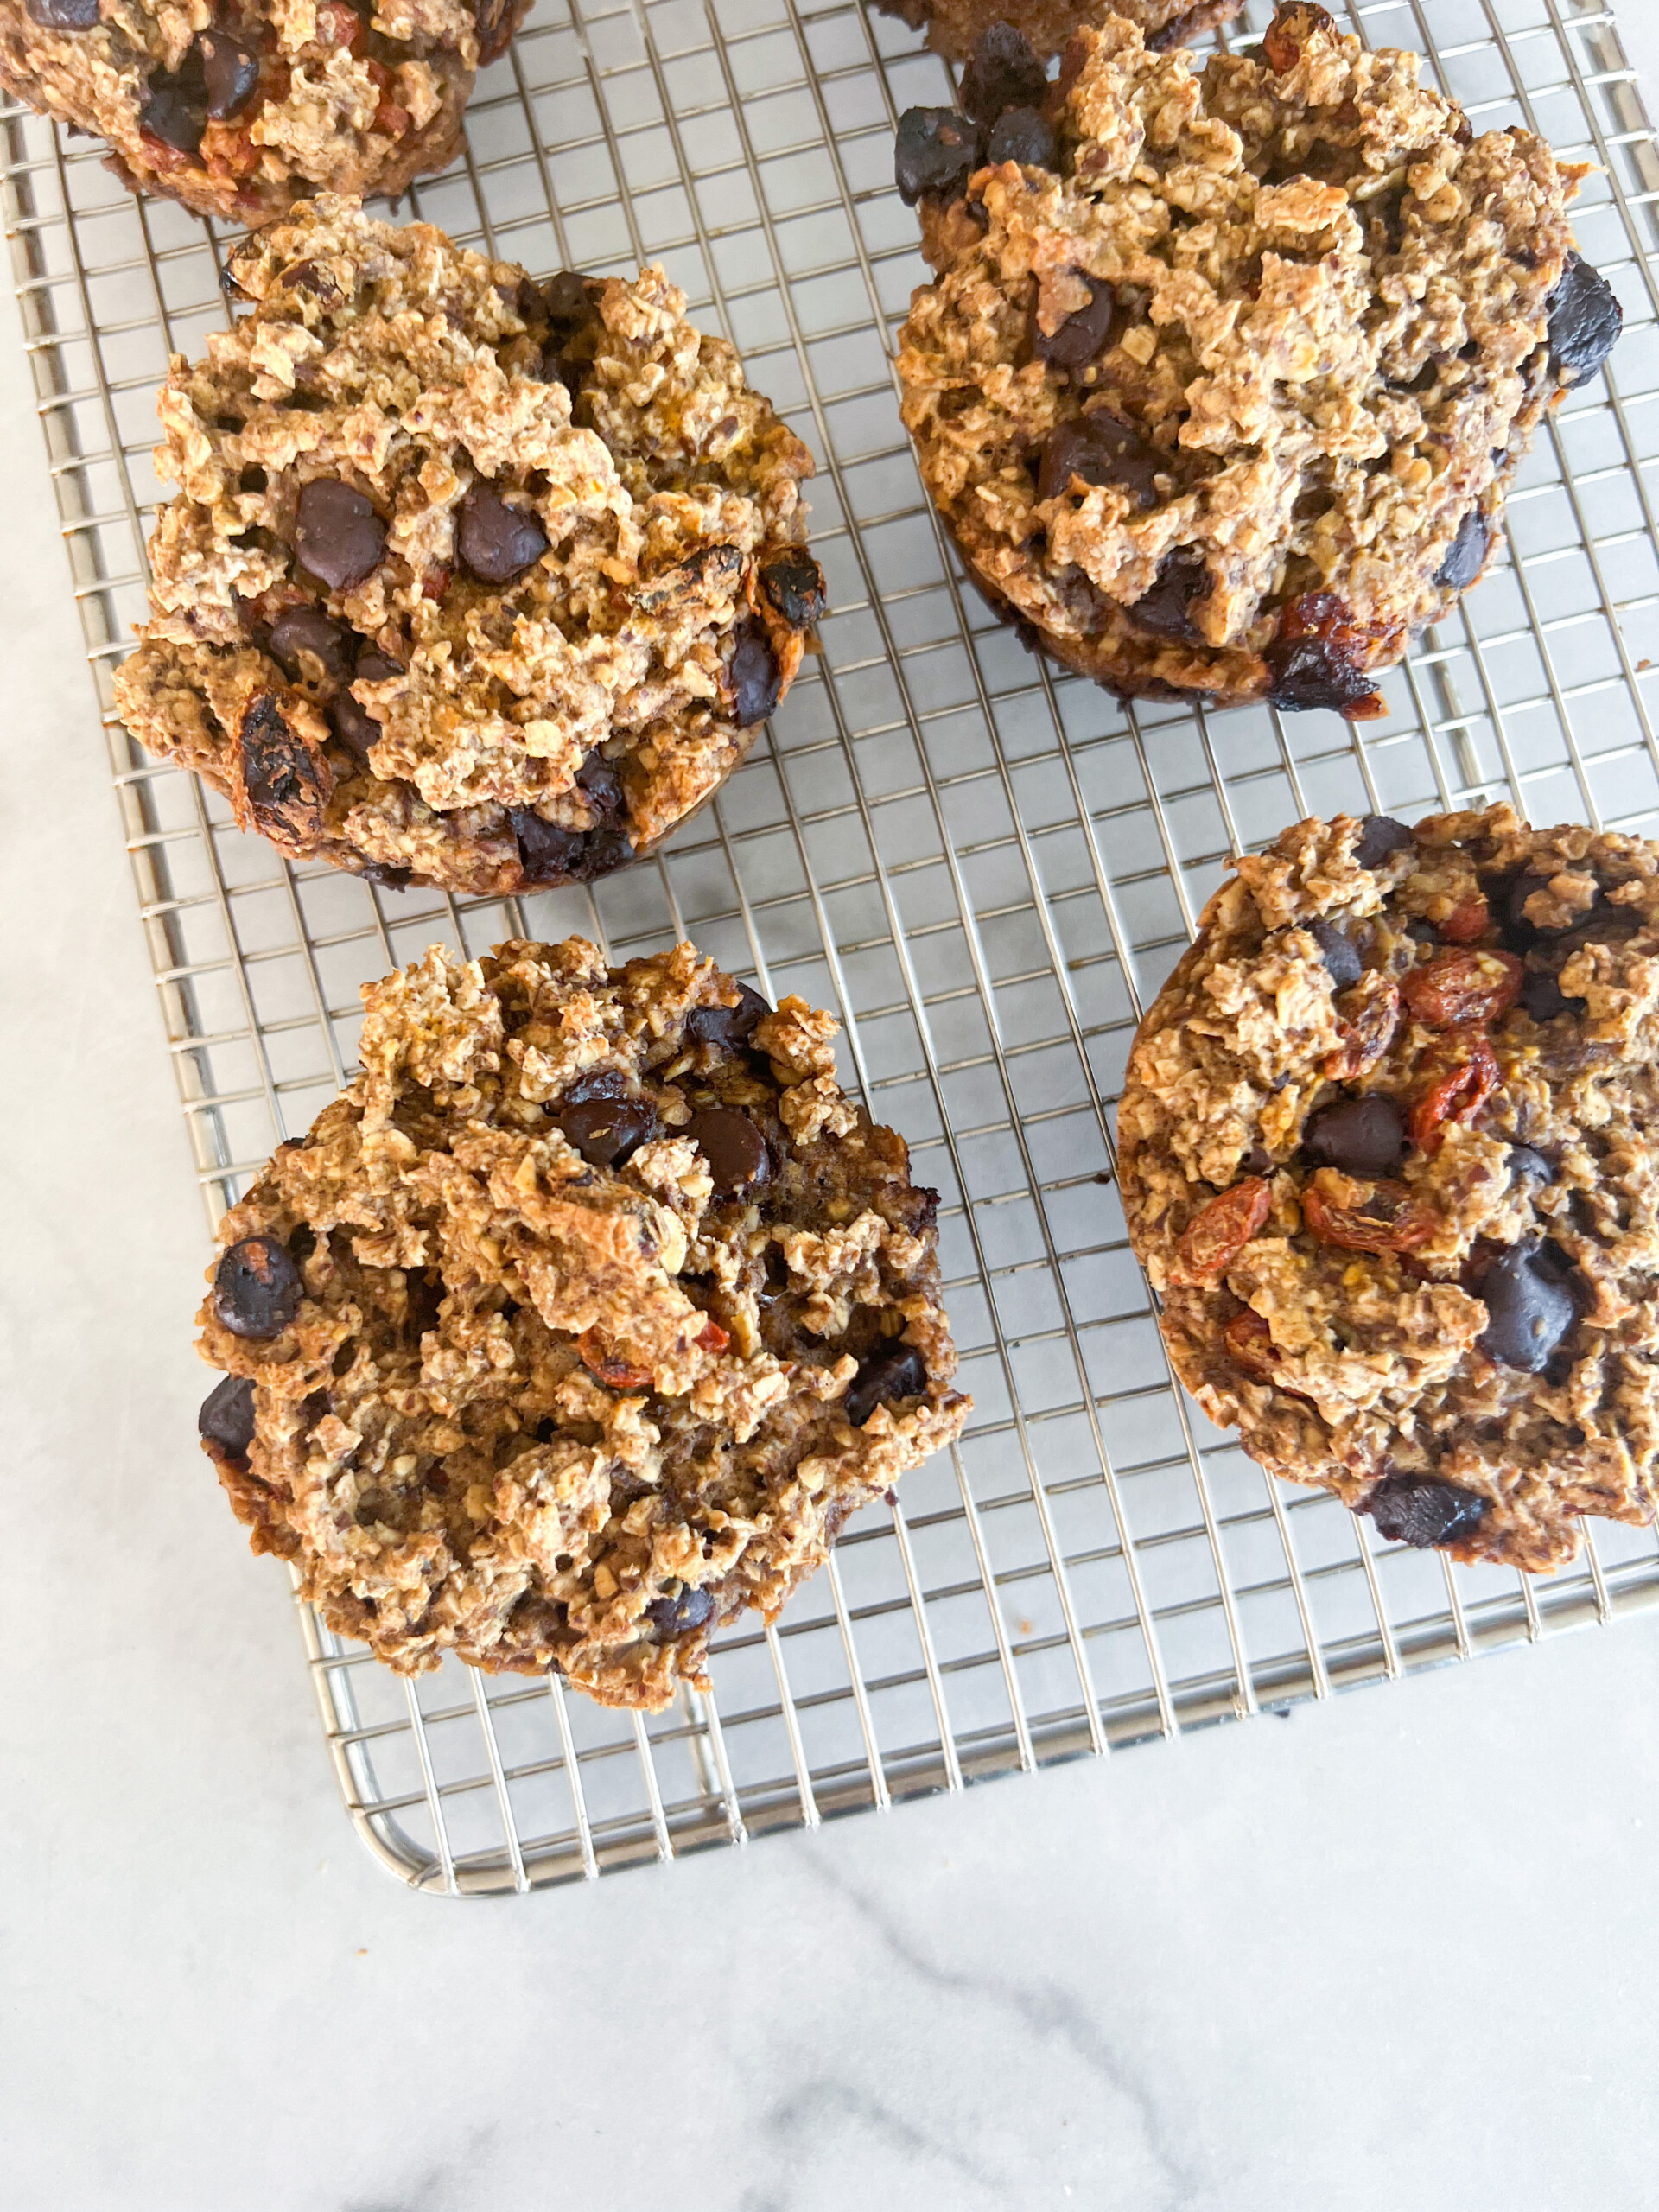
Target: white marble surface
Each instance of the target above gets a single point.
(1398, 1953)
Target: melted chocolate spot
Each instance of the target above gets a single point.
(734, 1149)
(1364, 1137)
(896, 1372)
(257, 1288)
(1100, 447)
(337, 534)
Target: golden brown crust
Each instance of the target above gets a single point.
(1323, 313)
(484, 736)
(546, 1412)
(1365, 1336)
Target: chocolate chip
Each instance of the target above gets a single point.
(257, 1288)
(1466, 553)
(753, 674)
(549, 854)
(230, 71)
(1529, 1306)
(1338, 952)
(607, 847)
(227, 1415)
(936, 151)
(282, 780)
(794, 587)
(606, 1130)
(1167, 609)
(1021, 134)
(570, 307)
(354, 725)
(175, 110)
(679, 1615)
(1543, 998)
(497, 542)
(1101, 448)
(1423, 932)
(1529, 1166)
(1362, 1136)
(895, 1372)
(337, 533)
(1419, 1511)
(734, 1149)
(726, 1025)
(389, 879)
(1083, 337)
(63, 15)
(307, 631)
(1310, 672)
(600, 785)
(1003, 73)
(374, 667)
(1585, 322)
(1379, 835)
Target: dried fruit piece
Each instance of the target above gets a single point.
(1455, 988)
(1314, 661)
(1285, 36)
(1469, 919)
(754, 675)
(1370, 1015)
(794, 587)
(1585, 322)
(284, 783)
(1457, 1096)
(609, 1367)
(1466, 555)
(1022, 135)
(1249, 1342)
(1359, 1215)
(936, 151)
(1219, 1230)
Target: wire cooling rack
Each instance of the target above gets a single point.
(984, 865)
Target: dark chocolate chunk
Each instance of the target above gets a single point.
(1167, 609)
(726, 1025)
(1101, 448)
(793, 584)
(337, 534)
(677, 1615)
(607, 847)
(374, 667)
(1467, 551)
(1543, 998)
(1338, 952)
(282, 780)
(754, 675)
(1022, 135)
(936, 151)
(257, 1288)
(1083, 337)
(62, 15)
(1362, 1136)
(734, 1149)
(1419, 1511)
(1310, 672)
(547, 852)
(354, 725)
(1585, 322)
(175, 108)
(600, 785)
(1528, 1295)
(1528, 1164)
(227, 1415)
(606, 1131)
(388, 878)
(1379, 835)
(570, 307)
(897, 1371)
(1003, 72)
(307, 631)
(497, 542)
(229, 71)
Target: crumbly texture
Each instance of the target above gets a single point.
(1479, 1310)
(551, 1414)
(485, 735)
(1321, 305)
(952, 26)
(300, 93)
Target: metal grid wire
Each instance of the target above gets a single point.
(984, 866)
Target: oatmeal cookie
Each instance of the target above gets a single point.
(237, 110)
(480, 582)
(582, 1321)
(1387, 1149)
(1227, 367)
(954, 26)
